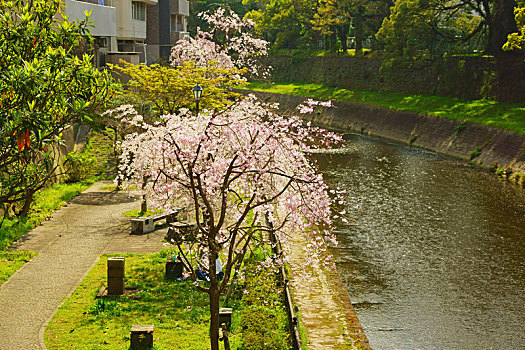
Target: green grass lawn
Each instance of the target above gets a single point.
(10, 262)
(498, 114)
(179, 312)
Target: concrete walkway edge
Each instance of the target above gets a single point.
(43, 328)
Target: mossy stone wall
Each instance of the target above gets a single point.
(483, 145)
(468, 78)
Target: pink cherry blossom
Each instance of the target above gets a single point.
(229, 37)
(243, 165)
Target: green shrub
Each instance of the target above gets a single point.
(81, 166)
(262, 329)
(461, 127)
(264, 322)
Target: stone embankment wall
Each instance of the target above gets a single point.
(469, 78)
(483, 145)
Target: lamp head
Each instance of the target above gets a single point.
(197, 92)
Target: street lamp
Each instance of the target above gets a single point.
(197, 93)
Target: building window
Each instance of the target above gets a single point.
(138, 10)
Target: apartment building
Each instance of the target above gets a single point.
(166, 24)
(124, 28)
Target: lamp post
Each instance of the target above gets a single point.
(197, 93)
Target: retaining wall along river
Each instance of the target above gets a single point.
(484, 145)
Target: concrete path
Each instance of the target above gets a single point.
(325, 309)
(68, 245)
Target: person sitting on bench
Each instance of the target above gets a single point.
(202, 275)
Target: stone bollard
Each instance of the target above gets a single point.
(141, 337)
(174, 268)
(225, 316)
(115, 276)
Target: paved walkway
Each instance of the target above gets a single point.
(325, 309)
(68, 245)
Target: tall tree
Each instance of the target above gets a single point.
(335, 17)
(198, 6)
(233, 169)
(501, 25)
(452, 24)
(44, 87)
(285, 23)
(515, 40)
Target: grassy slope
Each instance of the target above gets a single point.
(46, 202)
(502, 115)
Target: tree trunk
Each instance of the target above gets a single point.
(358, 21)
(500, 25)
(144, 202)
(28, 199)
(230, 287)
(330, 42)
(342, 33)
(214, 308)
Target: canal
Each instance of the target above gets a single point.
(434, 256)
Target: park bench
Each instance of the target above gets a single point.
(146, 224)
(181, 231)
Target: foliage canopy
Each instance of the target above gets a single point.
(44, 87)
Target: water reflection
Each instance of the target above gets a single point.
(434, 257)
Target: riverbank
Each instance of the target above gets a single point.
(501, 115)
(325, 310)
(500, 150)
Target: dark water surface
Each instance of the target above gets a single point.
(435, 255)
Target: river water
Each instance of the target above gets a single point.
(434, 258)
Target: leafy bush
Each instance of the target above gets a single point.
(263, 328)
(81, 166)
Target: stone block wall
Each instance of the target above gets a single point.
(463, 77)
(486, 146)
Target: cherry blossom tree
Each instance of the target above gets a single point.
(235, 169)
(229, 44)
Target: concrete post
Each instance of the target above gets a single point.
(116, 276)
(141, 337)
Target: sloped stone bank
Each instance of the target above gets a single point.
(500, 150)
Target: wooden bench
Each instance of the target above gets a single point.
(146, 224)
